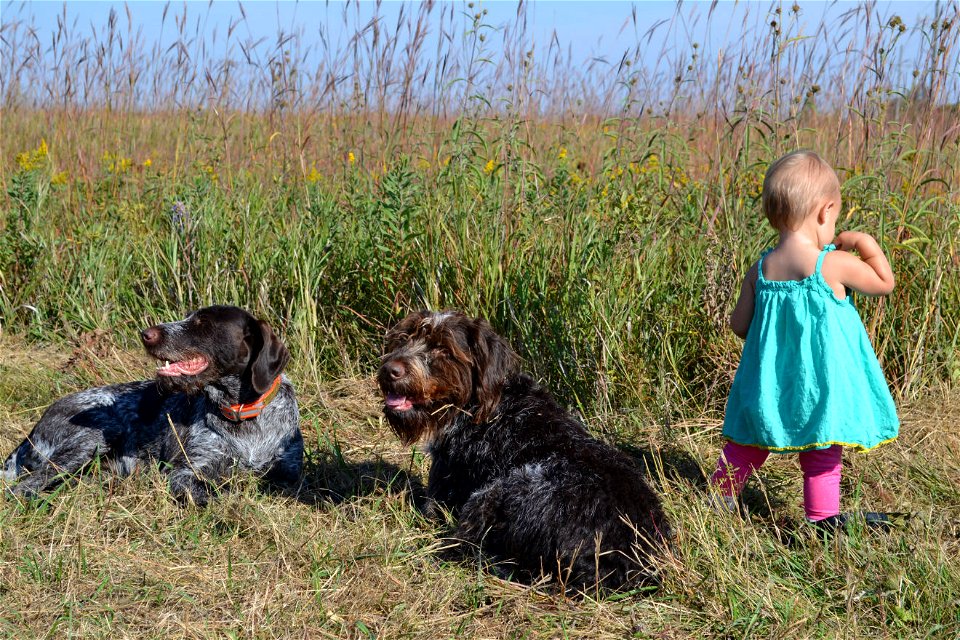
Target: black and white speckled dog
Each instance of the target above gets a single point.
(219, 403)
(527, 483)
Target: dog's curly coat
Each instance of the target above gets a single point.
(525, 480)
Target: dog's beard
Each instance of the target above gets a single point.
(421, 424)
(412, 425)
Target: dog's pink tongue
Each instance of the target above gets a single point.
(397, 402)
(190, 367)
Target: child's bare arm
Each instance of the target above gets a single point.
(869, 274)
(743, 312)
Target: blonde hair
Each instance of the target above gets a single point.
(793, 185)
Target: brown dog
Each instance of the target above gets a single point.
(525, 479)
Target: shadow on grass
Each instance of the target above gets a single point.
(330, 479)
(678, 465)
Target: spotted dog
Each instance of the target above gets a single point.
(526, 482)
(219, 403)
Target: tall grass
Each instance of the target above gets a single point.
(596, 215)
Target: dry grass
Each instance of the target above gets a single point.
(354, 557)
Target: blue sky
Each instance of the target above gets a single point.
(590, 29)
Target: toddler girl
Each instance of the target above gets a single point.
(808, 381)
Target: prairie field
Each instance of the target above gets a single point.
(600, 215)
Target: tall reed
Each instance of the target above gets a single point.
(599, 214)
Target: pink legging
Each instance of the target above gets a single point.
(821, 476)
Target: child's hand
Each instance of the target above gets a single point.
(869, 274)
(855, 241)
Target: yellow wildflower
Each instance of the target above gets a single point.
(33, 159)
(352, 159)
(562, 154)
(116, 164)
(59, 178)
(489, 167)
(148, 163)
(314, 175)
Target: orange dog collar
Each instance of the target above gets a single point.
(246, 411)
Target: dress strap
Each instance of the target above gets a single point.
(760, 265)
(826, 249)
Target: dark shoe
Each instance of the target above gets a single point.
(870, 519)
(828, 526)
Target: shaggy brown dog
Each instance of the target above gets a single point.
(527, 483)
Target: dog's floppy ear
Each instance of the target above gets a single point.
(493, 362)
(269, 361)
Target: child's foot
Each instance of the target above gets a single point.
(723, 504)
(870, 519)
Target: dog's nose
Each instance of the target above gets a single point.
(395, 369)
(150, 336)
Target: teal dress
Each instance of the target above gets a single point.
(808, 377)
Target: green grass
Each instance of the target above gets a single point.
(616, 302)
(354, 558)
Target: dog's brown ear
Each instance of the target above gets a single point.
(269, 361)
(493, 362)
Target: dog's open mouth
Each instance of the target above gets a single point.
(190, 367)
(397, 402)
